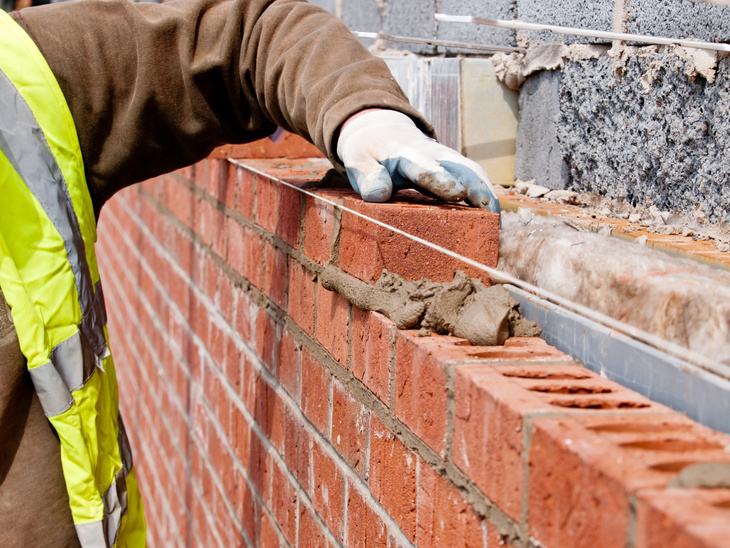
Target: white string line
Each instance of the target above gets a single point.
(521, 25)
(441, 43)
(505, 278)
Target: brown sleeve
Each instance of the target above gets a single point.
(154, 87)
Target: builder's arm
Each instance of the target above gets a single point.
(155, 87)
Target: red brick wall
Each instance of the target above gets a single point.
(265, 411)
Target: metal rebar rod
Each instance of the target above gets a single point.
(440, 43)
(521, 25)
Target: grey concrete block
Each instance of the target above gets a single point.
(412, 18)
(679, 19)
(363, 16)
(669, 146)
(329, 5)
(584, 14)
(538, 152)
(477, 34)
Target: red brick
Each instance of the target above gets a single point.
(284, 504)
(227, 185)
(580, 484)
(392, 478)
(269, 536)
(495, 538)
(366, 249)
(216, 341)
(319, 224)
(188, 173)
(302, 290)
(310, 533)
(488, 433)
(290, 215)
(245, 311)
(267, 201)
(246, 510)
(296, 448)
(232, 366)
(236, 255)
(245, 190)
(489, 418)
(420, 390)
(218, 233)
(240, 437)
(200, 321)
(275, 275)
(185, 252)
(250, 386)
(523, 350)
(270, 414)
(444, 517)
(213, 179)
(350, 428)
(664, 443)
(365, 529)
(259, 464)
(223, 408)
(315, 392)
(288, 371)
(224, 298)
(520, 349)
(282, 146)
(327, 495)
(180, 201)
(223, 518)
(683, 518)
(204, 220)
(266, 338)
(333, 323)
(253, 247)
(371, 351)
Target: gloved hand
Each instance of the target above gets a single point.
(383, 150)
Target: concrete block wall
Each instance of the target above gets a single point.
(648, 130)
(700, 19)
(645, 130)
(265, 410)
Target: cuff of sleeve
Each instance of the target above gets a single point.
(336, 117)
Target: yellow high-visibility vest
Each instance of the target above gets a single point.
(49, 276)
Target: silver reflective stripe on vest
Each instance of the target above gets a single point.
(105, 533)
(67, 356)
(52, 391)
(24, 144)
(113, 508)
(91, 535)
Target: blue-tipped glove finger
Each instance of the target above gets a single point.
(383, 150)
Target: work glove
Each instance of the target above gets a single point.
(383, 151)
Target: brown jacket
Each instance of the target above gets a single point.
(153, 88)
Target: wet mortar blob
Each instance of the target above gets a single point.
(464, 307)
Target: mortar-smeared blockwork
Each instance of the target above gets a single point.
(666, 145)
